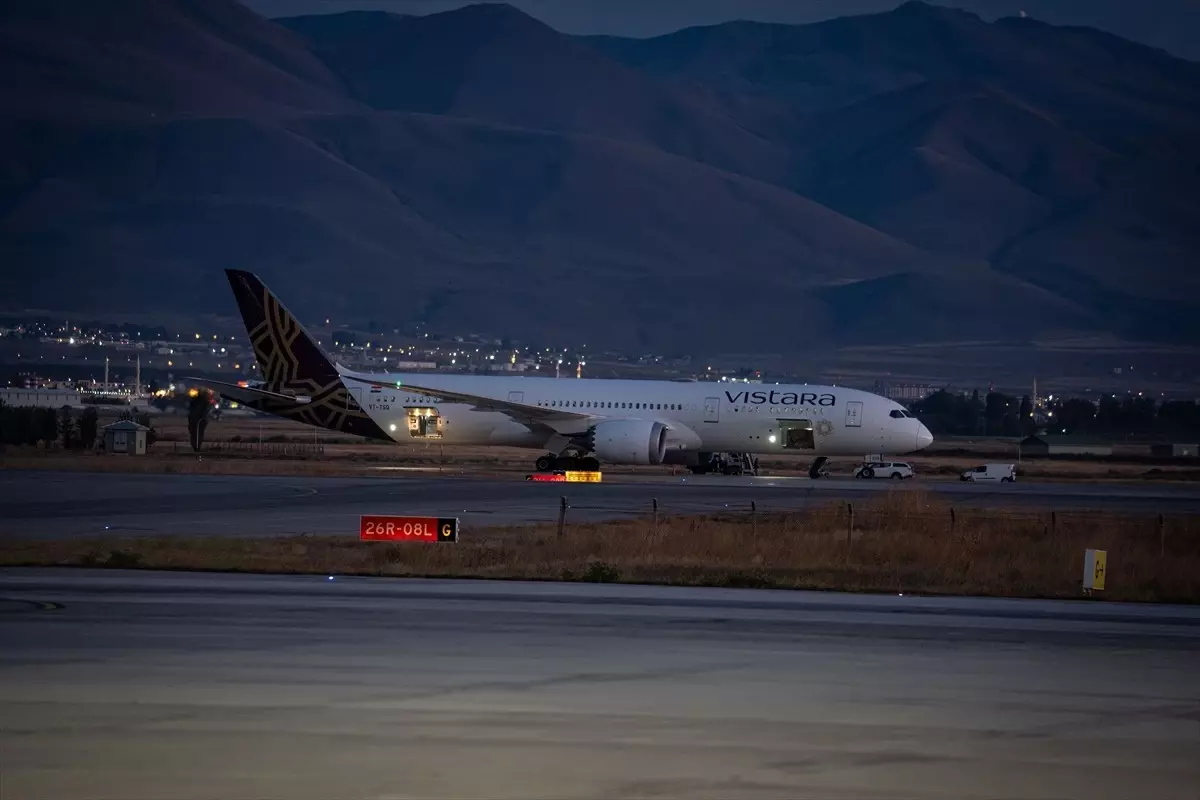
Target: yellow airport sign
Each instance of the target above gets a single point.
(1095, 565)
(578, 476)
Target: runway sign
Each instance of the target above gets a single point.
(381, 528)
(546, 477)
(582, 477)
(1095, 564)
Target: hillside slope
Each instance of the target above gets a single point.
(1063, 156)
(859, 181)
(78, 59)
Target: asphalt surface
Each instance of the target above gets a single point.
(144, 686)
(49, 504)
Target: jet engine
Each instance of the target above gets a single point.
(629, 441)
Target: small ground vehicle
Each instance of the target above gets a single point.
(1002, 473)
(897, 470)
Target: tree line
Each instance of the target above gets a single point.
(998, 414)
(26, 425)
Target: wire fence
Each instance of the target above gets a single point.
(253, 449)
(907, 514)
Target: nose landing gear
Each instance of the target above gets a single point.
(819, 468)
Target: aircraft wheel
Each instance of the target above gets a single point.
(544, 463)
(589, 464)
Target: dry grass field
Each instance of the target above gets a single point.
(903, 542)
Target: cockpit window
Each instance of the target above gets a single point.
(896, 414)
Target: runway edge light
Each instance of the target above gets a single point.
(1095, 566)
(388, 528)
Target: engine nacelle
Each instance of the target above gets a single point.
(630, 441)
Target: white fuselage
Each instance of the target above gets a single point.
(701, 416)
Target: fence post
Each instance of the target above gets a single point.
(753, 519)
(849, 525)
(562, 515)
(953, 521)
(655, 502)
(1162, 536)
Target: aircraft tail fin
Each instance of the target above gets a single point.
(288, 357)
(293, 366)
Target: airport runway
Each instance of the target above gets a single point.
(57, 504)
(143, 686)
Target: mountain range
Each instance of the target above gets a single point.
(919, 175)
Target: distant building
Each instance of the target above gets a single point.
(407, 365)
(1056, 445)
(126, 437)
(1175, 450)
(41, 398)
(904, 392)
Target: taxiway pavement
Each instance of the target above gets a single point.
(143, 686)
(49, 504)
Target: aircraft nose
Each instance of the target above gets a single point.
(924, 437)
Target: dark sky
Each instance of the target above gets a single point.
(1171, 24)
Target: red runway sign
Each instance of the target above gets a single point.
(383, 528)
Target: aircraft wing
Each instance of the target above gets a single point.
(520, 412)
(246, 394)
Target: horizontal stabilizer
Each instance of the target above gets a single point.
(249, 395)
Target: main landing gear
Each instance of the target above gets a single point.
(551, 462)
(819, 468)
(725, 464)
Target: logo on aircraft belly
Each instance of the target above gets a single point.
(824, 427)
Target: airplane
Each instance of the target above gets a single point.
(578, 423)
